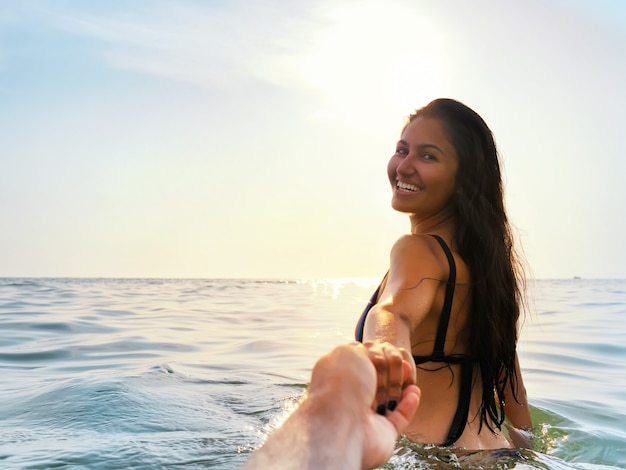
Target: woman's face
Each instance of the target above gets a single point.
(422, 171)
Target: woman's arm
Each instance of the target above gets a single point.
(516, 403)
(517, 411)
(403, 304)
(405, 299)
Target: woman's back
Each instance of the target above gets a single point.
(439, 344)
(446, 372)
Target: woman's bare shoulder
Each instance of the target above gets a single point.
(415, 257)
(413, 261)
(416, 246)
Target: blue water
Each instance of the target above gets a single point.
(110, 373)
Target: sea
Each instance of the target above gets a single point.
(196, 373)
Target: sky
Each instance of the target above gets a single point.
(249, 139)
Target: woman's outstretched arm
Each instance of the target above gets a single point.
(406, 297)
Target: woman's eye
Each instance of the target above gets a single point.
(401, 151)
(429, 156)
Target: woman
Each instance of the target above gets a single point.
(453, 291)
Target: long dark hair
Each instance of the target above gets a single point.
(485, 242)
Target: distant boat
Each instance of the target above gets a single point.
(576, 277)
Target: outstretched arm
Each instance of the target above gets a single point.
(335, 426)
(405, 300)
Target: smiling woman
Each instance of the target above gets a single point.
(422, 171)
(452, 296)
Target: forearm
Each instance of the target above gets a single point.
(516, 402)
(385, 325)
(518, 414)
(315, 436)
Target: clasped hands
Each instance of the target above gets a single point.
(374, 382)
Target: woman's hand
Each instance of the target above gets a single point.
(395, 370)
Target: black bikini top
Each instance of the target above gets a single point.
(444, 320)
(465, 391)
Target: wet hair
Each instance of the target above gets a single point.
(485, 242)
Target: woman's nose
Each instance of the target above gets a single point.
(406, 166)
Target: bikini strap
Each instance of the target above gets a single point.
(462, 410)
(360, 326)
(444, 320)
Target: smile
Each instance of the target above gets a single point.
(407, 187)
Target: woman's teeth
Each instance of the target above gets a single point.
(407, 186)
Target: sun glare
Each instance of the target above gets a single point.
(374, 63)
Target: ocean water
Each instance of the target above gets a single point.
(131, 373)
